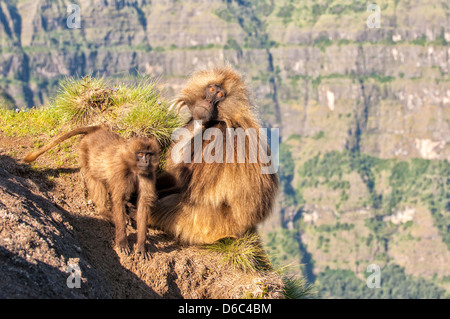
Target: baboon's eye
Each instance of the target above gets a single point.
(220, 94)
(140, 154)
(212, 89)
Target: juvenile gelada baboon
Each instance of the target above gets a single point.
(212, 200)
(117, 168)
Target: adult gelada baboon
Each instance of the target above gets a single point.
(221, 198)
(117, 168)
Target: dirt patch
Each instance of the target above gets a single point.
(37, 246)
(47, 222)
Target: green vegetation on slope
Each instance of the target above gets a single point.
(407, 182)
(346, 182)
(395, 284)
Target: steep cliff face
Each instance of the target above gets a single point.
(390, 101)
(310, 64)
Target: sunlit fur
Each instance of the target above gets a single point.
(108, 164)
(216, 200)
(30, 157)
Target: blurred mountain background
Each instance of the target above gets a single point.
(363, 112)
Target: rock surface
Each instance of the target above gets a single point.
(40, 256)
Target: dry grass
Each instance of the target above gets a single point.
(84, 101)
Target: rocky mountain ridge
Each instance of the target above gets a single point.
(304, 62)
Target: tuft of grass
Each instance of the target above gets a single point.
(297, 288)
(243, 253)
(145, 113)
(135, 109)
(83, 101)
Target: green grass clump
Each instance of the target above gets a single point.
(83, 101)
(148, 114)
(243, 253)
(130, 109)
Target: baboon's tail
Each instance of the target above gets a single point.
(82, 130)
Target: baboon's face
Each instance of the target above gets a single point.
(144, 160)
(146, 154)
(206, 109)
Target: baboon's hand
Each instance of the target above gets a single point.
(142, 252)
(123, 247)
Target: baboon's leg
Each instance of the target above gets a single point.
(182, 221)
(118, 203)
(193, 224)
(164, 213)
(142, 215)
(99, 194)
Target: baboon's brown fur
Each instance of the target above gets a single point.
(111, 168)
(215, 200)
